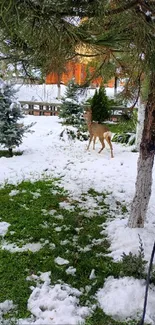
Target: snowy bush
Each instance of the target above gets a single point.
(72, 113)
(127, 133)
(125, 137)
(73, 134)
(11, 128)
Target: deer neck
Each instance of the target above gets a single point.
(89, 124)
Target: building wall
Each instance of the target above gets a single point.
(78, 71)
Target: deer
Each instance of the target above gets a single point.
(98, 130)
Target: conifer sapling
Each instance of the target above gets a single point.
(11, 128)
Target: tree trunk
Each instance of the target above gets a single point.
(10, 152)
(115, 85)
(140, 125)
(145, 163)
(59, 86)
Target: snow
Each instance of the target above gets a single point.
(5, 307)
(71, 270)
(59, 217)
(61, 261)
(58, 304)
(64, 242)
(67, 206)
(45, 154)
(124, 239)
(92, 275)
(58, 229)
(13, 192)
(36, 195)
(4, 228)
(49, 93)
(38, 93)
(116, 294)
(33, 247)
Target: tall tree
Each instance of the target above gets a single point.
(145, 162)
(140, 48)
(43, 33)
(36, 32)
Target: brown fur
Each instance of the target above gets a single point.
(98, 131)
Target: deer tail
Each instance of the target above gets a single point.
(108, 135)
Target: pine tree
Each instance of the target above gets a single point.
(71, 110)
(100, 105)
(11, 131)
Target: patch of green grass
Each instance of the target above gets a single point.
(124, 209)
(134, 150)
(5, 153)
(100, 318)
(114, 128)
(36, 213)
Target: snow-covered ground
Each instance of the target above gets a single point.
(46, 154)
(49, 93)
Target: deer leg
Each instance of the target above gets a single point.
(108, 139)
(90, 140)
(103, 144)
(94, 140)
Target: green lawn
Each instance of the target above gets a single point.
(37, 213)
(5, 153)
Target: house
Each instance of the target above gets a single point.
(79, 71)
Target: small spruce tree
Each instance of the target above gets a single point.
(100, 105)
(11, 131)
(71, 111)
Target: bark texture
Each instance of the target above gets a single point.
(143, 192)
(140, 125)
(145, 163)
(59, 91)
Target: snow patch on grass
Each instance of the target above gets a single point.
(36, 195)
(13, 248)
(14, 192)
(124, 239)
(61, 261)
(67, 206)
(4, 228)
(71, 270)
(5, 307)
(58, 304)
(124, 298)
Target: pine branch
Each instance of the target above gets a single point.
(122, 9)
(138, 94)
(94, 74)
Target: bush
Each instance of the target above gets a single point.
(127, 126)
(11, 129)
(100, 105)
(134, 265)
(127, 138)
(79, 133)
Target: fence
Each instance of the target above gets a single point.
(51, 109)
(117, 111)
(40, 108)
